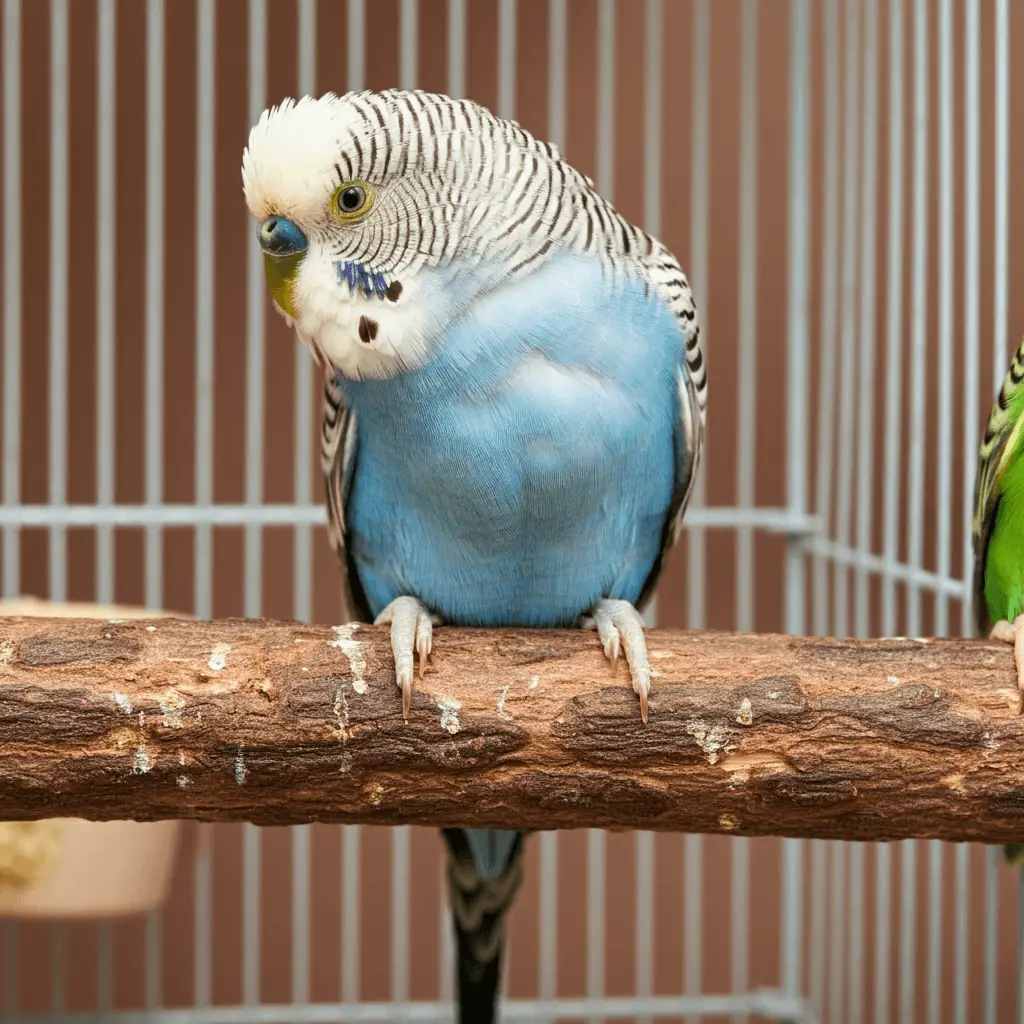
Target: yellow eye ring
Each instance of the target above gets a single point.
(351, 200)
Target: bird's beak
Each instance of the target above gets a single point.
(284, 247)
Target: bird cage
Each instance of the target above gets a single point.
(834, 176)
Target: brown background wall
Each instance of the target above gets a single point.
(717, 299)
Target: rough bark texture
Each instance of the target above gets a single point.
(281, 723)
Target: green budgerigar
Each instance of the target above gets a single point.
(998, 529)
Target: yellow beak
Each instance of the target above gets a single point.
(281, 272)
(283, 245)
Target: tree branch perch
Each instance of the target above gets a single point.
(281, 723)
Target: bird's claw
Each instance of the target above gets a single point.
(412, 629)
(619, 624)
(1013, 633)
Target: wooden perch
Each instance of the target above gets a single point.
(281, 723)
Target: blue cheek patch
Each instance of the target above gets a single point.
(358, 276)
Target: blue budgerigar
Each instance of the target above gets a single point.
(515, 396)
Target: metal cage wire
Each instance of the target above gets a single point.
(850, 946)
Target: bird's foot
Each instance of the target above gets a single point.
(411, 629)
(1013, 633)
(619, 625)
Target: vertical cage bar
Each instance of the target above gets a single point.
(653, 74)
(507, 60)
(301, 853)
(1000, 301)
(991, 961)
(59, 264)
(819, 918)
(746, 432)
(595, 914)
(739, 932)
(350, 839)
(154, 330)
(106, 380)
(972, 292)
(855, 953)
(797, 301)
(1001, 219)
(837, 944)
(868, 219)
(400, 868)
(401, 863)
(254, 332)
(457, 89)
(302, 581)
(202, 919)
(693, 916)
(645, 864)
(944, 483)
(606, 97)
(447, 986)
(865, 443)
(251, 914)
(934, 931)
(351, 835)
(829, 306)
(302, 584)
(791, 930)
(557, 109)
(894, 322)
(960, 976)
(944, 424)
(919, 313)
(696, 569)
(12, 290)
(883, 932)
(606, 186)
(356, 44)
(908, 926)
(547, 948)
(456, 48)
(206, 38)
(154, 406)
(205, 251)
(644, 948)
(893, 464)
(253, 542)
(699, 202)
(106, 294)
(558, 40)
(850, 334)
(408, 39)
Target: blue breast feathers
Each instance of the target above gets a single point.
(526, 470)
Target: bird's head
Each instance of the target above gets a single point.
(381, 214)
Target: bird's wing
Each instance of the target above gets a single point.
(666, 279)
(338, 455)
(1003, 441)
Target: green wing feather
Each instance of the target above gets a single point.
(1002, 443)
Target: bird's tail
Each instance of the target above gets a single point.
(1013, 854)
(484, 873)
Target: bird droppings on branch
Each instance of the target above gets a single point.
(748, 735)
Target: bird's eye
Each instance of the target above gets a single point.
(351, 200)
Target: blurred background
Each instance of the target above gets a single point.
(838, 180)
